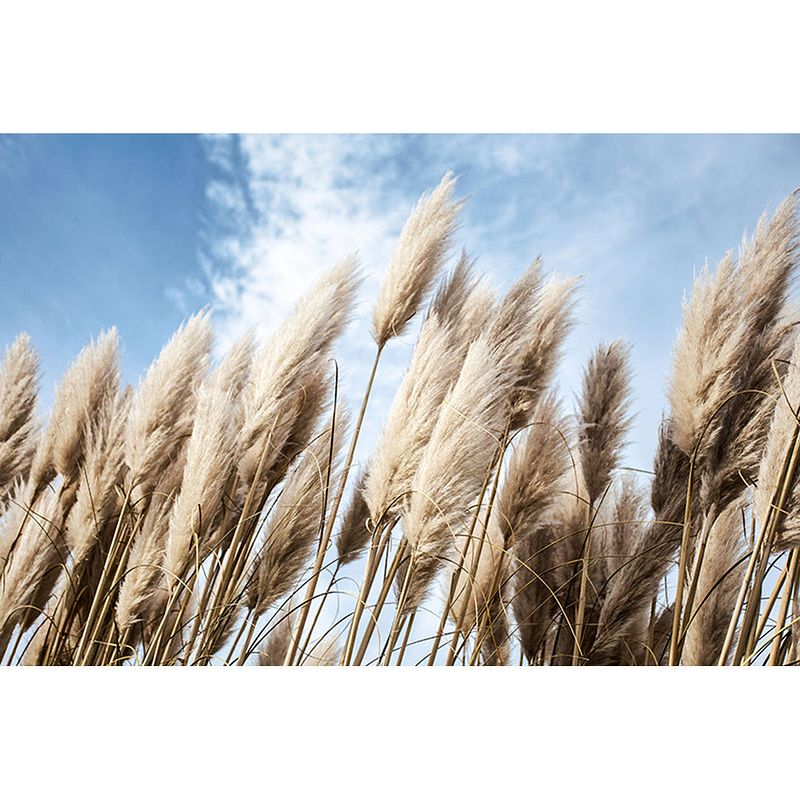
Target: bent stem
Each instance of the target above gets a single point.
(323, 545)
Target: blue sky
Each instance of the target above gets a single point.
(139, 231)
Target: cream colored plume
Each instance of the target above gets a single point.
(737, 327)
(162, 409)
(292, 363)
(721, 573)
(603, 415)
(36, 555)
(457, 314)
(97, 499)
(295, 523)
(209, 460)
(19, 382)
(88, 383)
(552, 320)
(420, 253)
(465, 440)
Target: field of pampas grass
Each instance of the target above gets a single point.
(216, 514)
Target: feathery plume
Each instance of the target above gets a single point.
(603, 415)
(97, 499)
(138, 601)
(462, 447)
(295, 522)
(90, 380)
(354, 535)
(721, 574)
(19, 383)
(552, 321)
(636, 583)
(736, 327)
(209, 460)
(288, 369)
(624, 530)
(537, 569)
(479, 581)
(233, 371)
(423, 245)
(781, 437)
(536, 469)
(161, 413)
(38, 552)
(438, 357)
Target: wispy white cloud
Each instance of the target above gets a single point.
(633, 215)
(285, 209)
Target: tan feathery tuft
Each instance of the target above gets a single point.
(97, 498)
(290, 365)
(162, 409)
(138, 600)
(623, 531)
(209, 460)
(553, 318)
(435, 365)
(636, 583)
(603, 415)
(19, 383)
(721, 574)
(295, 522)
(736, 326)
(465, 439)
(420, 253)
(38, 553)
(355, 533)
(90, 380)
(533, 482)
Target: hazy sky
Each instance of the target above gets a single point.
(139, 231)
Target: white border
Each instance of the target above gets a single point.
(358, 66)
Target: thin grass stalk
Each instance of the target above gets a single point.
(380, 542)
(684, 557)
(584, 586)
(111, 557)
(760, 553)
(454, 577)
(410, 624)
(791, 573)
(777, 589)
(399, 558)
(399, 616)
(323, 546)
(494, 469)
